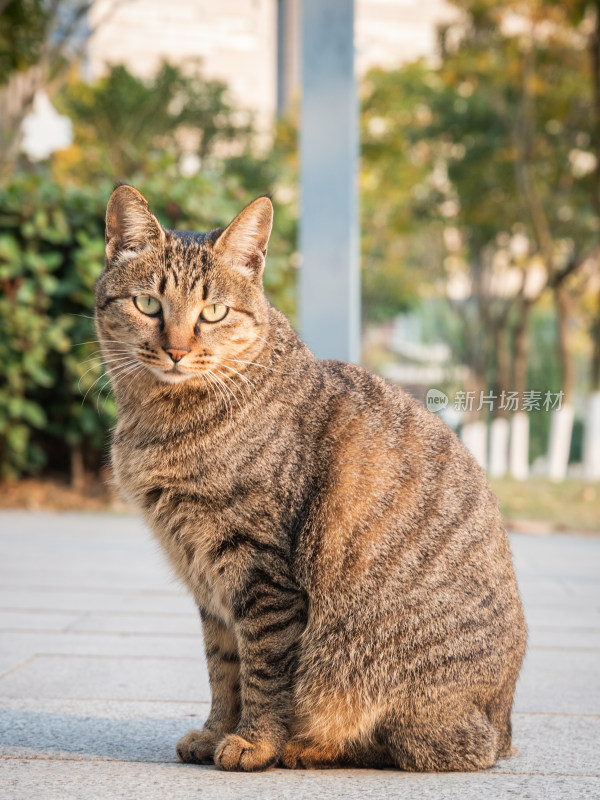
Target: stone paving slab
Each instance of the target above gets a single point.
(126, 731)
(551, 617)
(559, 681)
(141, 678)
(101, 662)
(559, 593)
(563, 638)
(150, 601)
(54, 622)
(60, 780)
(102, 645)
(167, 624)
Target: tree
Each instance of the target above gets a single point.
(398, 188)
(123, 125)
(502, 131)
(38, 41)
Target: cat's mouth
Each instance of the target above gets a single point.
(174, 374)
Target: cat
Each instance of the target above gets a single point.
(350, 565)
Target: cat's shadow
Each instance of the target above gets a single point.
(47, 734)
(43, 734)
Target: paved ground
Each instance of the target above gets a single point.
(101, 671)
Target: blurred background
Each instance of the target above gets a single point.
(479, 192)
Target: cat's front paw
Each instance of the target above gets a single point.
(237, 753)
(197, 747)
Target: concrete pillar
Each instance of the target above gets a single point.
(329, 302)
(591, 441)
(474, 437)
(499, 433)
(519, 446)
(288, 54)
(561, 428)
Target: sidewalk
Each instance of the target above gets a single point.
(101, 671)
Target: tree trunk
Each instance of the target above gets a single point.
(499, 428)
(591, 442)
(561, 428)
(77, 467)
(474, 430)
(519, 428)
(563, 306)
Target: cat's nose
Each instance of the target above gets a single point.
(176, 355)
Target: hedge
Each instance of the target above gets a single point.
(55, 404)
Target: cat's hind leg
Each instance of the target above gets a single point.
(499, 713)
(446, 739)
(301, 753)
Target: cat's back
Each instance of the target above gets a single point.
(408, 502)
(397, 433)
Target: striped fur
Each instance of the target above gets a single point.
(349, 561)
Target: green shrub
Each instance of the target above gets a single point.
(55, 405)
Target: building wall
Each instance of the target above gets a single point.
(391, 32)
(232, 40)
(236, 40)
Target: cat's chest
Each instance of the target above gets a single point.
(179, 486)
(162, 459)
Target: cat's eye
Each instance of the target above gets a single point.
(147, 305)
(215, 312)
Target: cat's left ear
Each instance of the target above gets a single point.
(243, 244)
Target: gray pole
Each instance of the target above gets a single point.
(329, 234)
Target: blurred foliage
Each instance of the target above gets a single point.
(572, 505)
(479, 172)
(55, 404)
(23, 25)
(460, 162)
(128, 123)
(54, 400)
(446, 146)
(51, 251)
(396, 191)
(39, 39)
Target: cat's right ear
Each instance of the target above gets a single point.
(130, 227)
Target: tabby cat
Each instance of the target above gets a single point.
(352, 572)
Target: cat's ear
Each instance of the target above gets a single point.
(243, 244)
(130, 227)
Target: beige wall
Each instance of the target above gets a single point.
(236, 40)
(391, 32)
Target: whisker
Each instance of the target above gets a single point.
(97, 355)
(256, 364)
(219, 389)
(97, 364)
(237, 386)
(108, 393)
(97, 341)
(220, 383)
(265, 341)
(243, 377)
(218, 396)
(133, 373)
(209, 382)
(92, 386)
(121, 369)
(233, 394)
